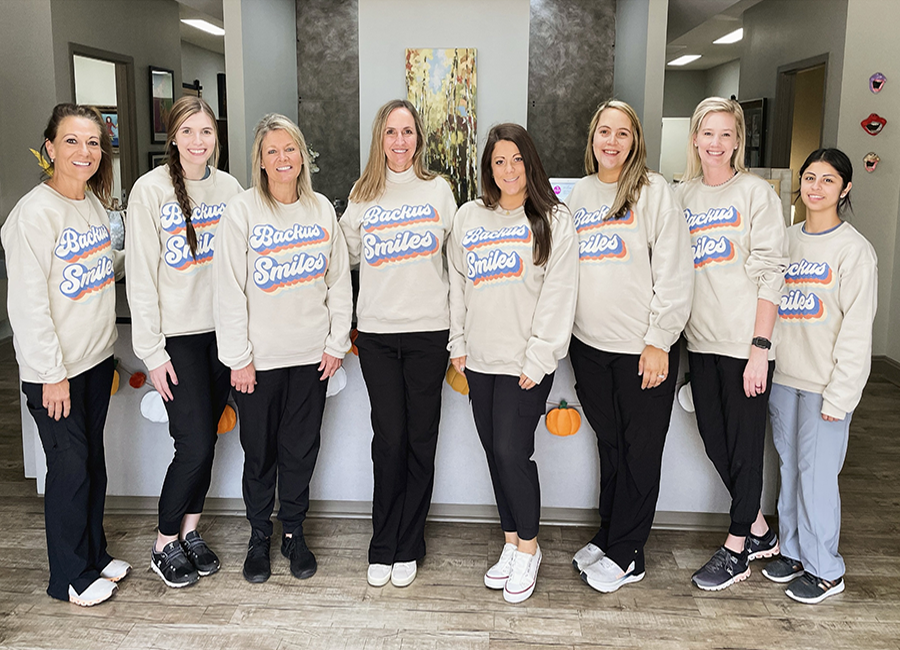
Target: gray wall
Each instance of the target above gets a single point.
(570, 71)
(724, 80)
(684, 90)
(328, 88)
(205, 65)
(778, 33)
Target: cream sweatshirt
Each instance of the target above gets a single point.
(740, 254)
(507, 315)
(61, 297)
(398, 241)
(282, 283)
(825, 342)
(170, 292)
(636, 275)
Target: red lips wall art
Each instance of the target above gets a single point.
(873, 124)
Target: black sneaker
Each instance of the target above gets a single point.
(783, 569)
(303, 562)
(723, 570)
(201, 556)
(257, 567)
(810, 589)
(759, 547)
(173, 566)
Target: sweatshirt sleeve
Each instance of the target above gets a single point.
(230, 284)
(456, 268)
(554, 312)
(768, 257)
(28, 249)
(350, 223)
(339, 298)
(142, 282)
(672, 269)
(852, 355)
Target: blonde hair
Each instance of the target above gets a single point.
(634, 174)
(704, 108)
(277, 122)
(371, 184)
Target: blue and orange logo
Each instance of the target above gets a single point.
(799, 306)
(713, 218)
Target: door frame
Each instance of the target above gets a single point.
(783, 122)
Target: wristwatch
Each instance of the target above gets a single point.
(762, 342)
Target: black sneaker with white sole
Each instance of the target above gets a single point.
(783, 569)
(723, 570)
(173, 566)
(760, 547)
(201, 556)
(811, 589)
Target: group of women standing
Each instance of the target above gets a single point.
(498, 287)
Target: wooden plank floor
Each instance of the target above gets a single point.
(447, 607)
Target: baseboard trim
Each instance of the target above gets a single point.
(887, 368)
(444, 512)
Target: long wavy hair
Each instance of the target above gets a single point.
(275, 122)
(704, 108)
(371, 184)
(182, 109)
(635, 174)
(540, 199)
(101, 183)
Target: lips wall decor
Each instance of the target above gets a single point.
(876, 82)
(873, 124)
(870, 161)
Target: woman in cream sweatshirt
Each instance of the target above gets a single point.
(283, 303)
(740, 253)
(513, 283)
(172, 218)
(396, 226)
(62, 308)
(635, 286)
(824, 357)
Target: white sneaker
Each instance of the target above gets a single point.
(586, 556)
(403, 573)
(379, 575)
(522, 576)
(115, 570)
(497, 575)
(606, 576)
(98, 591)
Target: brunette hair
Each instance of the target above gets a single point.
(182, 109)
(704, 108)
(101, 183)
(634, 174)
(371, 184)
(842, 165)
(540, 199)
(275, 122)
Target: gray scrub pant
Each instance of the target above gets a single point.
(811, 453)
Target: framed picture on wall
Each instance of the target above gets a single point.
(162, 96)
(755, 118)
(110, 115)
(157, 158)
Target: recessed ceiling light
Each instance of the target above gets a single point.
(684, 60)
(205, 26)
(733, 37)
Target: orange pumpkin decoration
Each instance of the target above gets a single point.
(563, 420)
(228, 420)
(115, 384)
(353, 334)
(137, 380)
(457, 382)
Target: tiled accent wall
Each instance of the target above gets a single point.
(328, 87)
(570, 71)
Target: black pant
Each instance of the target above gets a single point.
(506, 417)
(280, 424)
(75, 489)
(631, 426)
(733, 428)
(199, 399)
(404, 376)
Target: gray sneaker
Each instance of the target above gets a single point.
(760, 547)
(783, 569)
(723, 570)
(810, 589)
(586, 556)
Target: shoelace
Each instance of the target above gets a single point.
(506, 559)
(521, 564)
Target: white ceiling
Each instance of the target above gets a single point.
(695, 24)
(208, 10)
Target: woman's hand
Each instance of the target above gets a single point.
(244, 379)
(829, 418)
(329, 366)
(460, 364)
(653, 367)
(158, 379)
(55, 398)
(756, 372)
(525, 383)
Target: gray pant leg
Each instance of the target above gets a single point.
(783, 405)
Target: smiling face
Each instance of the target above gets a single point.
(196, 143)
(399, 140)
(821, 187)
(716, 141)
(75, 150)
(612, 144)
(508, 168)
(281, 159)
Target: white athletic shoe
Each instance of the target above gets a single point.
(606, 576)
(115, 570)
(98, 591)
(522, 576)
(586, 556)
(497, 575)
(403, 573)
(379, 575)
